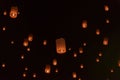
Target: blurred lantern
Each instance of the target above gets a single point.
(60, 46)
(25, 43)
(24, 74)
(107, 21)
(69, 49)
(26, 68)
(45, 42)
(12, 42)
(80, 50)
(97, 32)
(74, 75)
(3, 65)
(119, 63)
(5, 13)
(106, 8)
(84, 44)
(81, 66)
(47, 69)
(34, 75)
(14, 12)
(97, 60)
(30, 37)
(100, 54)
(79, 79)
(22, 56)
(54, 62)
(28, 49)
(4, 28)
(74, 54)
(105, 41)
(84, 24)
(111, 70)
(56, 70)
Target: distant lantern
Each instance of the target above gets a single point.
(111, 70)
(105, 41)
(107, 21)
(4, 28)
(106, 8)
(81, 66)
(80, 50)
(12, 42)
(97, 60)
(3, 65)
(34, 75)
(47, 69)
(84, 44)
(54, 62)
(60, 46)
(84, 24)
(5, 13)
(24, 74)
(97, 32)
(26, 68)
(119, 63)
(14, 12)
(74, 54)
(22, 56)
(56, 70)
(74, 75)
(45, 42)
(25, 43)
(28, 49)
(100, 54)
(30, 37)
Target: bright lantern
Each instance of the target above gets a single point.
(47, 69)
(60, 46)
(80, 50)
(105, 41)
(97, 32)
(14, 12)
(106, 8)
(54, 62)
(84, 24)
(45, 42)
(30, 37)
(25, 43)
(74, 75)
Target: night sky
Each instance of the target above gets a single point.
(49, 20)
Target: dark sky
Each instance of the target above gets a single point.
(49, 20)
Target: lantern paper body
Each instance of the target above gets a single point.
(84, 24)
(47, 69)
(13, 12)
(60, 46)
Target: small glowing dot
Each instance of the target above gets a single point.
(45, 42)
(69, 49)
(79, 79)
(24, 74)
(56, 70)
(100, 54)
(54, 62)
(81, 50)
(47, 69)
(4, 28)
(34, 75)
(12, 42)
(28, 49)
(30, 37)
(105, 41)
(107, 21)
(5, 13)
(25, 43)
(97, 32)
(84, 44)
(75, 55)
(111, 70)
(81, 66)
(22, 56)
(97, 60)
(74, 75)
(3, 65)
(26, 68)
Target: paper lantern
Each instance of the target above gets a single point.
(105, 41)
(54, 62)
(74, 75)
(84, 24)
(100, 54)
(14, 12)
(34, 75)
(24, 75)
(106, 8)
(74, 54)
(111, 70)
(60, 46)
(47, 69)
(5, 13)
(97, 60)
(56, 70)
(25, 43)
(80, 50)
(3, 65)
(81, 66)
(107, 21)
(97, 32)
(30, 37)
(45, 42)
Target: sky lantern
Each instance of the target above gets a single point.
(119, 63)
(107, 21)
(74, 75)
(81, 66)
(30, 37)
(54, 62)
(45, 42)
(47, 69)
(3, 65)
(100, 54)
(84, 24)
(60, 46)
(80, 50)
(74, 54)
(97, 32)
(13, 12)
(34, 75)
(25, 43)
(5, 13)
(106, 7)
(24, 75)
(97, 60)
(105, 41)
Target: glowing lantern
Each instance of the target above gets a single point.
(24, 74)
(5, 13)
(81, 66)
(119, 63)
(97, 60)
(22, 56)
(25, 43)
(56, 70)
(80, 50)
(106, 8)
(3, 65)
(60, 46)
(45, 42)
(75, 55)
(26, 68)
(100, 54)
(30, 37)
(54, 62)
(74, 75)
(84, 44)
(4, 28)
(47, 69)
(107, 21)
(28, 49)
(14, 12)
(34, 75)
(69, 49)
(111, 70)
(79, 79)
(105, 41)
(12, 42)
(84, 24)
(97, 32)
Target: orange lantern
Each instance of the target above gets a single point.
(25, 43)
(81, 66)
(74, 54)
(30, 37)
(80, 50)
(54, 62)
(107, 21)
(74, 75)
(106, 8)
(5, 13)
(119, 63)
(84, 24)
(34, 75)
(60, 46)
(105, 41)
(3, 65)
(24, 75)
(97, 32)
(45, 42)
(47, 69)
(14, 12)
(97, 60)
